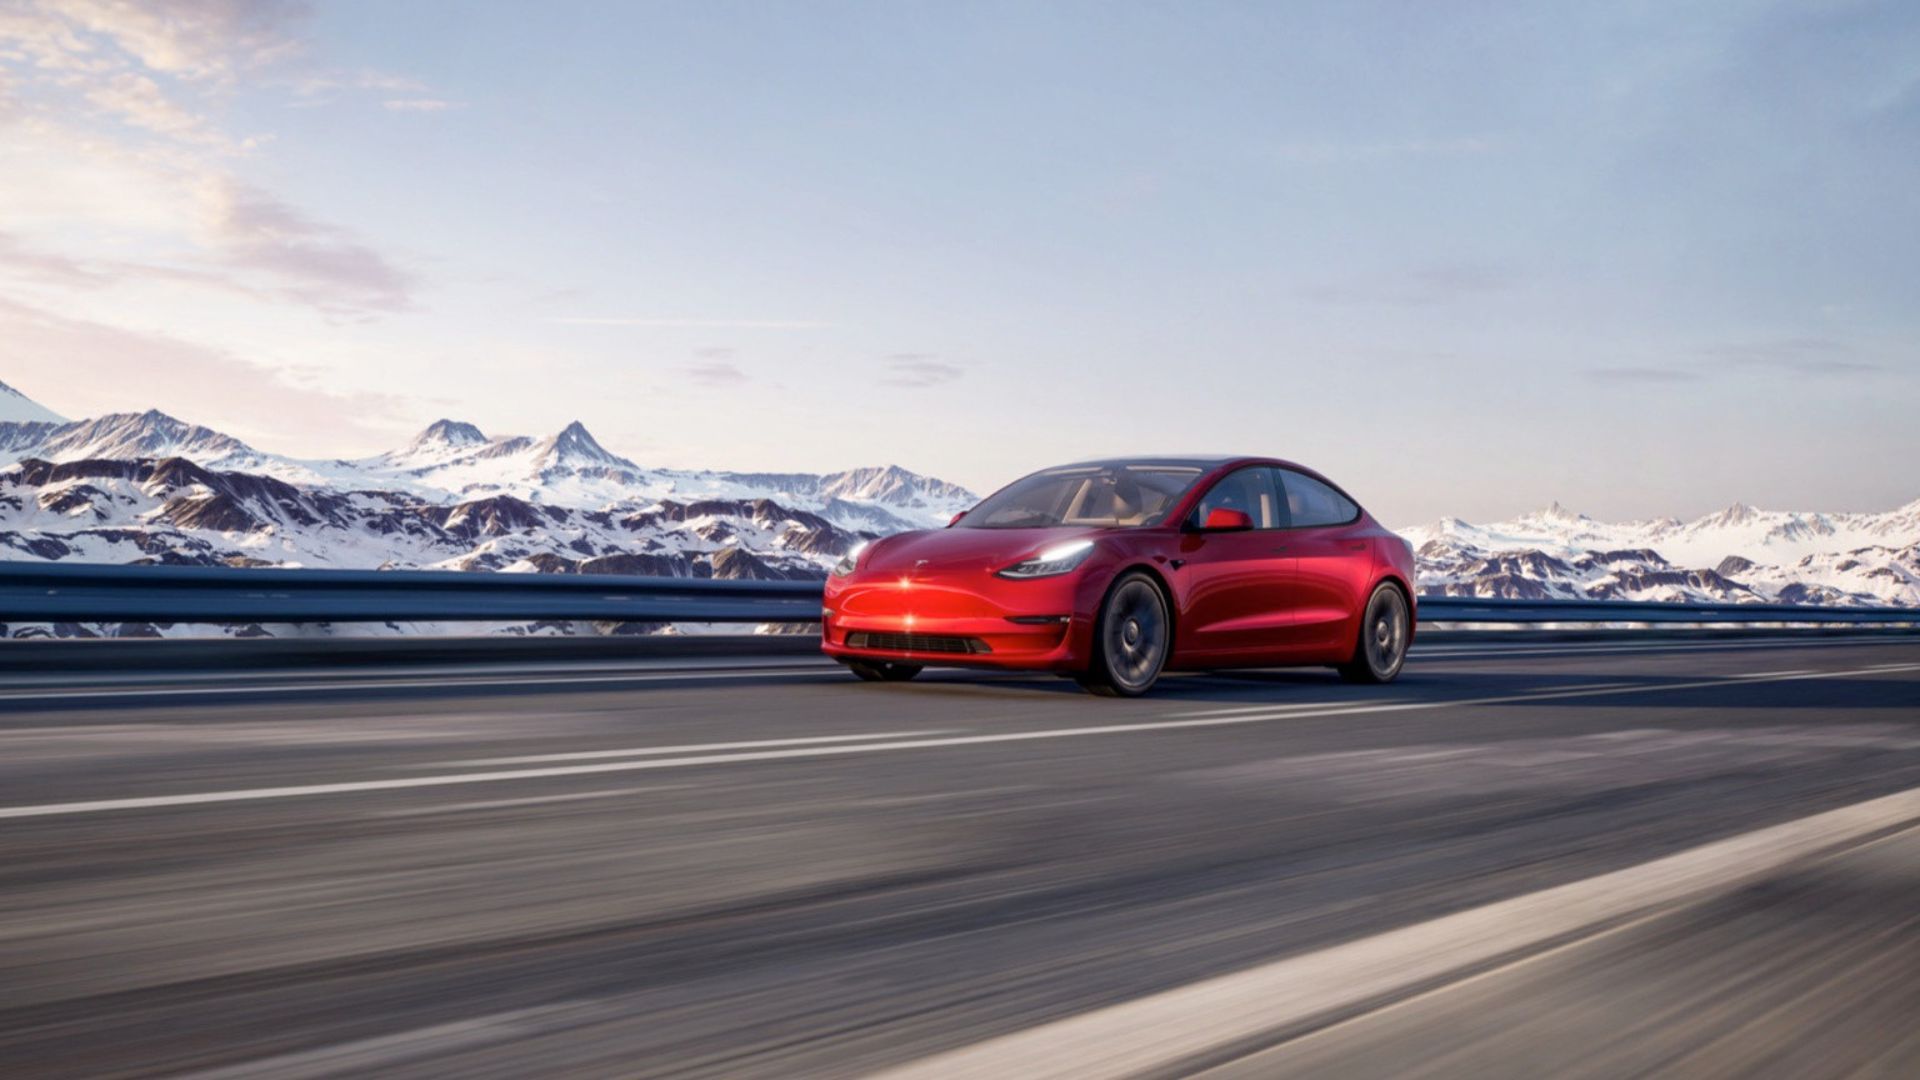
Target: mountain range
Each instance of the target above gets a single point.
(1737, 555)
(147, 487)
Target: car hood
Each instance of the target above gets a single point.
(963, 549)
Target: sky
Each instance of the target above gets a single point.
(1640, 258)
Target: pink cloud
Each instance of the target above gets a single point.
(309, 261)
(85, 368)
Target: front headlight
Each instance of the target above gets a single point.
(1054, 560)
(850, 559)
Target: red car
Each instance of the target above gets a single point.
(1114, 571)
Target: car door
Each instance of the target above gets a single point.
(1333, 562)
(1234, 584)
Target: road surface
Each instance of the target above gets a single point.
(776, 871)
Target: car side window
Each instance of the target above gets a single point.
(1249, 491)
(1311, 503)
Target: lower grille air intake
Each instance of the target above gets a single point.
(919, 643)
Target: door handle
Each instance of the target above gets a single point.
(1357, 545)
(1282, 547)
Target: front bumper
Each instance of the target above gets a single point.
(1027, 625)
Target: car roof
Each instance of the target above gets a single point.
(1204, 462)
(1197, 461)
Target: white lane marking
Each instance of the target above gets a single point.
(353, 786)
(411, 684)
(1902, 637)
(1279, 711)
(1271, 706)
(1613, 930)
(1341, 706)
(532, 800)
(1495, 650)
(1158, 1032)
(1854, 671)
(691, 748)
(1626, 639)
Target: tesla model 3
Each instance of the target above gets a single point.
(1112, 572)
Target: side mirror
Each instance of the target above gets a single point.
(956, 519)
(1225, 519)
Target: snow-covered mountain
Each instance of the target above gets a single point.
(152, 434)
(24, 423)
(1738, 554)
(453, 461)
(174, 511)
(439, 442)
(147, 487)
(18, 408)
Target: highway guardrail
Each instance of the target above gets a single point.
(87, 592)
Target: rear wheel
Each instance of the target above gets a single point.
(1382, 648)
(1131, 639)
(882, 670)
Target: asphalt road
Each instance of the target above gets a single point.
(777, 871)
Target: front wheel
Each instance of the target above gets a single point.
(882, 670)
(1131, 639)
(1382, 648)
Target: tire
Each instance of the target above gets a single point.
(882, 670)
(1381, 650)
(1132, 638)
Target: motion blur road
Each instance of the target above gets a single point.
(778, 871)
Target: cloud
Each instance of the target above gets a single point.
(23, 262)
(1799, 356)
(138, 100)
(1414, 288)
(135, 64)
(1644, 375)
(323, 87)
(653, 323)
(421, 104)
(309, 261)
(206, 40)
(94, 368)
(246, 244)
(919, 371)
(1811, 357)
(715, 373)
(119, 153)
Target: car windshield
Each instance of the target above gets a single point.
(1122, 495)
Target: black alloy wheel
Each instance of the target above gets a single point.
(1131, 639)
(1382, 649)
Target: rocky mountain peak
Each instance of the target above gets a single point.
(449, 433)
(1556, 512)
(151, 434)
(891, 485)
(1737, 514)
(575, 445)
